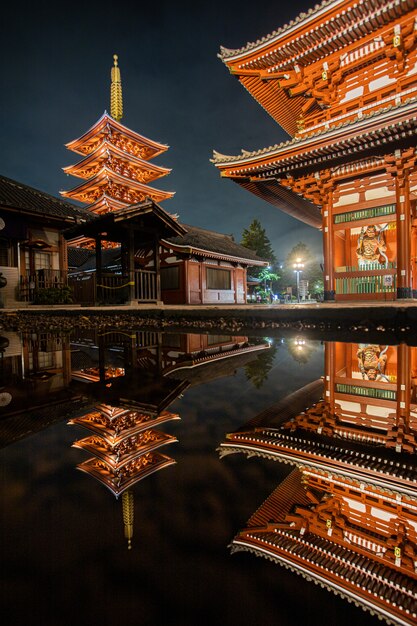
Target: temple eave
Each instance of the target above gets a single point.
(100, 127)
(284, 199)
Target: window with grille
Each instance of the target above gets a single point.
(4, 253)
(218, 279)
(170, 277)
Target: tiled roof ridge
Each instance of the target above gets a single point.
(228, 52)
(41, 194)
(219, 158)
(206, 230)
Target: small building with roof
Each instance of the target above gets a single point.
(33, 252)
(159, 260)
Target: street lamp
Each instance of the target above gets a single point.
(298, 268)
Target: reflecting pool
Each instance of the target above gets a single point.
(144, 474)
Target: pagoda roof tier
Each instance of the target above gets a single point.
(261, 171)
(308, 450)
(117, 456)
(127, 165)
(107, 129)
(127, 476)
(107, 182)
(123, 426)
(106, 204)
(371, 582)
(333, 27)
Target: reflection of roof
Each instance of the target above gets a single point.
(307, 449)
(198, 239)
(138, 390)
(210, 366)
(373, 585)
(24, 198)
(28, 421)
(128, 475)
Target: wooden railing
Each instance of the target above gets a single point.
(373, 284)
(113, 288)
(145, 286)
(41, 279)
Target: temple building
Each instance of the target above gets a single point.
(160, 259)
(341, 80)
(116, 166)
(33, 250)
(346, 515)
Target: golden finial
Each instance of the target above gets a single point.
(116, 99)
(127, 505)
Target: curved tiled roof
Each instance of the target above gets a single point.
(225, 53)
(211, 241)
(220, 159)
(15, 195)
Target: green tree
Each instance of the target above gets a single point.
(257, 371)
(312, 271)
(254, 237)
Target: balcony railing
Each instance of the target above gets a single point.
(113, 288)
(30, 283)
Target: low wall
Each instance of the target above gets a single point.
(383, 324)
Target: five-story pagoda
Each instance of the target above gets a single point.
(115, 167)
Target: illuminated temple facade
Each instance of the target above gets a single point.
(346, 515)
(115, 167)
(341, 80)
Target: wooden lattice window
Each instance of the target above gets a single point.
(218, 279)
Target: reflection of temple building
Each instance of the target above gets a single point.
(132, 379)
(346, 516)
(189, 357)
(35, 376)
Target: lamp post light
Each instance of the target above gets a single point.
(298, 268)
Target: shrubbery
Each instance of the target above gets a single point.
(52, 295)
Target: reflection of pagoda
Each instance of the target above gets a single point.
(346, 517)
(115, 168)
(123, 445)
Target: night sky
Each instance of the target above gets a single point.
(56, 61)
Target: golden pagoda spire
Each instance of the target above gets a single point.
(127, 504)
(116, 99)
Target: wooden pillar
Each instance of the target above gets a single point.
(402, 193)
(400, 165)
(101, 359)
(329, 372)
(414, 261)
(131, 264)
(403, 381)
(99, 270)
(157, 269)
(328, 248)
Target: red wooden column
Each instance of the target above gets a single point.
(400, 166)
(329, 373)
(414, 260)
(328, 246)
